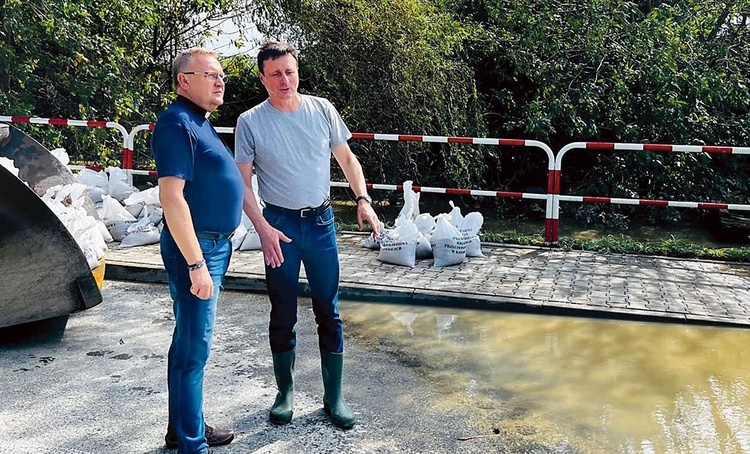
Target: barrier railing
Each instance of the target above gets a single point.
(127, 147)
(558, 197)
(440, 139)
(549, 240)
(553, 197)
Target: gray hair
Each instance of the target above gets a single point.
(184, 58)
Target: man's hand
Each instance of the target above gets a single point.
(202, 285)
(365, 213)
(270, 243)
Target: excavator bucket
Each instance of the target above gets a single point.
(45, 274)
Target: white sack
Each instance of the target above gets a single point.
(118, 186)
(10, 165)
(399, 246)
(115, 217)
(423, 248)
(469, 228)
(425, 224)
(96, 182)
(61, 155)
(141, 233)
(448, 245)
(251, 242)
(455, 215)
(373, 240)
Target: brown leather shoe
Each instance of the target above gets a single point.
(214, 437)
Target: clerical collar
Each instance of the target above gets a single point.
(193, 106)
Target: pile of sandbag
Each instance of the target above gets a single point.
(67, 202)
(132, 217)
(135, 218)
(447, 237)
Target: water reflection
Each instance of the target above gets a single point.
(602, 386)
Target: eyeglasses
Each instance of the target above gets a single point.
(212, 76)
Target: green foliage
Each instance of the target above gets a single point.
(104, 60)
(612, 70)
(392, 66)
(670, 71)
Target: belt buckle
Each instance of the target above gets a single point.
(306, 212)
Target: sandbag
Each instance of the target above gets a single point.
(118, 186)
(96, 182)
(399, 246)
(448, 245)
(469, 228)
(115, 217)
(410, 209)
(141, 233)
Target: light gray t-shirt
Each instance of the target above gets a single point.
(291, 152)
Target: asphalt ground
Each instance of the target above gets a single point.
(99, 386)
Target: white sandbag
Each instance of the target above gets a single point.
(399, 246)
(455, 215)
(155, 214)
(96, 182)
(398, 252)
(448, 245)
(104, 232)
(425, 223)
(148, 197)
(115, 217)
(10, 165)
(373, 240)
(61, 155)
(469, 228)
(141, 233)
(423, 249)
(138, 210)
(238, 236)
(118, 186)
(410, 210)
(251, 242)
(406, 210)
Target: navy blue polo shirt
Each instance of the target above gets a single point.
(186, 146)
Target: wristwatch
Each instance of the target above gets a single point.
(363, 197)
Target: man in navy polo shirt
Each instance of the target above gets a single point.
(201, 192)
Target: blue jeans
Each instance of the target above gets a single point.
(314, 244)
(191, 340)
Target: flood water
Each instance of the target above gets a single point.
(588, 384)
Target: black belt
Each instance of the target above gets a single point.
(308, 212)
(214, 235)
(208, 235)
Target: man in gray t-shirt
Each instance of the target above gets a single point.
(288, 140)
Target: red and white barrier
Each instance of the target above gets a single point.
(664, 148)
(553, 196)
(127, 146)
(548, 229)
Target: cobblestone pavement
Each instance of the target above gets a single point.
(512, 278)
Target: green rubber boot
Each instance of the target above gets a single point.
(333, 402)
(283, 369)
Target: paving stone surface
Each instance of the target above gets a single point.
(512, 278)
